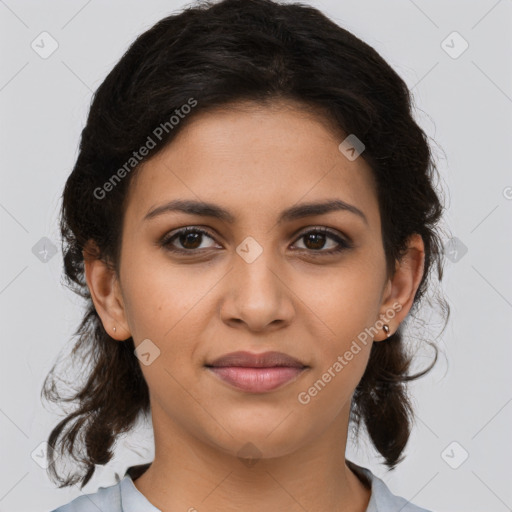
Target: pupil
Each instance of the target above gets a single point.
(318, 240)
(192, 237)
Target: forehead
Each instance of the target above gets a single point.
(252, 159)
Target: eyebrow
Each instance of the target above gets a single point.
(205, 209)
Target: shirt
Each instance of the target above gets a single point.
(125, 497)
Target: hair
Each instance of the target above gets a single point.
(219, 55)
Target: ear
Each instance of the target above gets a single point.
(398, 296)
(105, 293)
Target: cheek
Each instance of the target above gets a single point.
(347, 298)
(158, 297)
(169, 306)
(346, 304)
(344, 352)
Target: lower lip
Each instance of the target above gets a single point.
(256, 380)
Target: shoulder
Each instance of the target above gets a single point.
(387, 501)
(382, 499)
(105, 498)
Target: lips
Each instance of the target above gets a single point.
(250, 360)
(256, 373)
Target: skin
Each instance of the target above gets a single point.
(254, 162)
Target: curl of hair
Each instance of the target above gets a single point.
(219, 54)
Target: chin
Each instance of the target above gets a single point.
(253, 443)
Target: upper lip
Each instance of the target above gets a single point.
(251, 360)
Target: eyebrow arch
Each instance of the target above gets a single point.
(206, 209)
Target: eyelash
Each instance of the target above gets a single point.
(343, 244)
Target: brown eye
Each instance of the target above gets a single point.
(321, 241)
(190, 239)
(316, 239)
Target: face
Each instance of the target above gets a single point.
(268, 274)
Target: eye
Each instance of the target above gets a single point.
(316, 238)
(189, 238)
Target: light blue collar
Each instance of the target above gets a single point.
(381, 499)
(132, 500)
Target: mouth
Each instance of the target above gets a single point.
(257, 373)
(256, 380)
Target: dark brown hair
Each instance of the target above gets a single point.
(218, 54)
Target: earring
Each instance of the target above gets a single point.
(386, 330)
(114, 329)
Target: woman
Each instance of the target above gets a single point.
(251, 219)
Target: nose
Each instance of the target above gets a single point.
(257, 295)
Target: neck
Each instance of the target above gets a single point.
(188, 473)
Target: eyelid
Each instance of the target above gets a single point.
(343, 241)
(166, 239)
(322, 229)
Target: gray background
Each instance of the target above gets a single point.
(464, 103)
